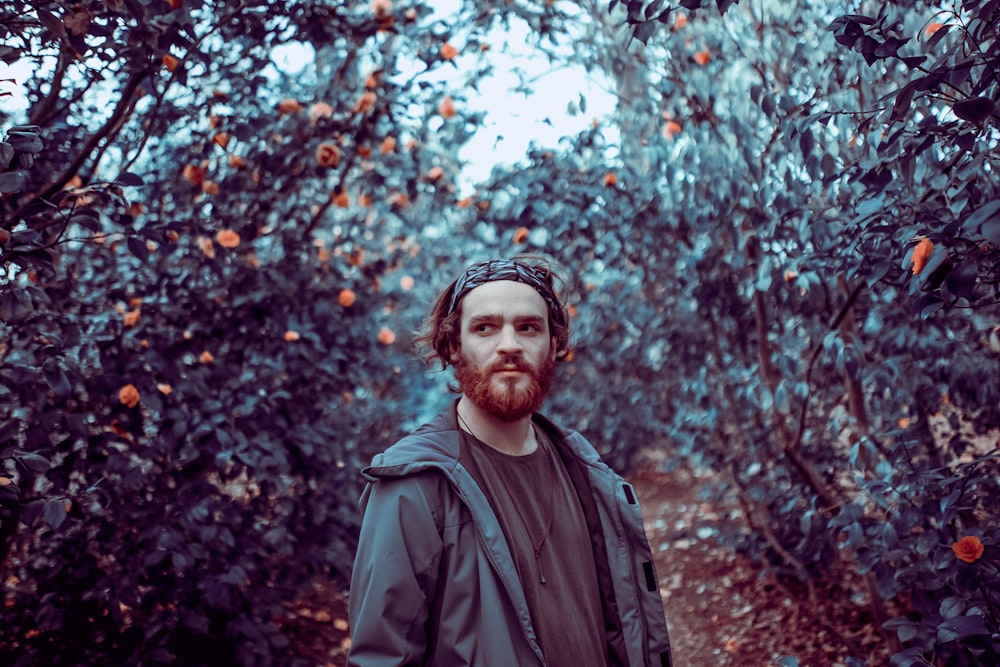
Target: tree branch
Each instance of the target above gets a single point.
(109, 128)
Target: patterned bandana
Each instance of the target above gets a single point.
(506, 269)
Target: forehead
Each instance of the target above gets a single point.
(504, 297)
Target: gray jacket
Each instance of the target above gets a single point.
(434, 582)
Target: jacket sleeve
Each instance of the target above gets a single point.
(395, 574)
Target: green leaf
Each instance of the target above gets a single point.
(128, 178)
(975, 110)
(9, 491)
(55, 512)
(12, 181)
(980, 221)
(137, 247)
(25, 142)
(56, 378)
(963, 627)
(52, 22)
(34, 462)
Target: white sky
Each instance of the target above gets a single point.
(512, 120)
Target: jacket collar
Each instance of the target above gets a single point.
(437, 445)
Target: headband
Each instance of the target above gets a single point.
(506, 269)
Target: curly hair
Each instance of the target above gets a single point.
(440, 334)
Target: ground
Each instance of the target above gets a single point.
(723, 610)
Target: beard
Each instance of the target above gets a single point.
(507, 402)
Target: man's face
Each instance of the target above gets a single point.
(506, 358)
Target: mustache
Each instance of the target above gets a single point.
(511, 364)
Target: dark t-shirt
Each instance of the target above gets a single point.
(566, 608)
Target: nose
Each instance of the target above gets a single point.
(509, 342)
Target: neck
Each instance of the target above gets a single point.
(515, 438)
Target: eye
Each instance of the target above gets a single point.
(483, 327)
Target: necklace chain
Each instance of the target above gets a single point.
(536, 546)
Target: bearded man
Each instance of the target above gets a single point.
(492, 537)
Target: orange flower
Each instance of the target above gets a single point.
(448, 51)
(435, 174)
(365, 200)
(969, 549)
(406, 282)
(128, 396)
(206, 357)
(703, 57)
(371, 81)
(347, 298)
(170, 62)
(791, 275)
(521, 235)
(210, 188)
(447, 107)
(610, 179)
(670, 128)
(221, 139)
(318, 111)
(206, 246)
(131, 318)
(388, 145)
(364, 151)
(366, 102)
(921, 254)
(399, 199)
(342, 199)
(292, 336)
(932, 28)
(164, 388)
(194, 174)
(237, 161)
(465, 202)
(327, 154)
(681, 21)
(381, 8)
(227, 238)
(289, 105)
(386, 336)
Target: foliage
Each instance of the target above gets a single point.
(197, 303)
(781, 257)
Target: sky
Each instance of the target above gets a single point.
(511, 122)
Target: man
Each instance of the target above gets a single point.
(491, 537)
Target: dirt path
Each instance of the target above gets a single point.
(722, 611)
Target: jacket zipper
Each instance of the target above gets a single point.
(496, 569)
(639, 593)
